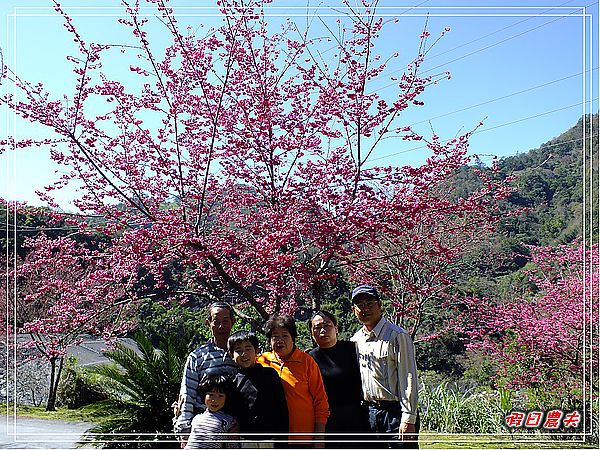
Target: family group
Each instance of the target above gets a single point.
(342, 394)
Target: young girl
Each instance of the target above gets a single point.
(209, 427)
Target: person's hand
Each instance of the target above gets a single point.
(319, 428)
(234, 430)
(407, 428)
(182, 443)
(176, 405)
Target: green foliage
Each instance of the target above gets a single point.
(141, 386)
(342, 309)
(174, 319)
(506, 397)
(478, 369)
(441, 354)
(446, 408)
(77, 387)
(304, 339)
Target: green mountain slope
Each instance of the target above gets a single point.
(551, 182)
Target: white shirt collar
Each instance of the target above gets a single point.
(376, 331)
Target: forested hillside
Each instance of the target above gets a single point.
(551, 181)
(550, 201)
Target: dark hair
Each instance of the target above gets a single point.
(322, 313)
(281, 321)
(242, 336)
(223, 305)
(219, 383)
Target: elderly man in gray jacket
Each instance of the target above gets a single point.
(208, 359)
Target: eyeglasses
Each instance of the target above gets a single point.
(365, 304)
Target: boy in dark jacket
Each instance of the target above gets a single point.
(262, 408)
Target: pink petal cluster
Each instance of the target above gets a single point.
(546, 338)
(244, 156)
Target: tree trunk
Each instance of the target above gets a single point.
(317, 296)
(51, 395)
(54, 380)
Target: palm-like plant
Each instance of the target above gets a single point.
(141, 386)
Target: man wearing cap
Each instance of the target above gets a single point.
(388, 371)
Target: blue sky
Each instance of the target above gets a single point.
(525, 67)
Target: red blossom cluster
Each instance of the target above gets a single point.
(549, 338)
(66, 289)
(246, 156)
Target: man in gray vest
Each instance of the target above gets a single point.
(388, 371)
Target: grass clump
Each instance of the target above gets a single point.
(89, 413)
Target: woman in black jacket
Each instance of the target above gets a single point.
(338, 362)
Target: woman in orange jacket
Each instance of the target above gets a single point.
(308, 408)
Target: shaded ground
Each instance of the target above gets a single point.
(38, 433)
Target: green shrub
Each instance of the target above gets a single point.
(141, 385)
(77, 387)
(448, 409)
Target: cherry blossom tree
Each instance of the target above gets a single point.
(245, 155)
(63, 291)
(417, 259)
(547, 340)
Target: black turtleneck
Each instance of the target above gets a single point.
(341, 376)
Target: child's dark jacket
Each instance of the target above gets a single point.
(262, 407)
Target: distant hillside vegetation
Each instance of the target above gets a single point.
(551, 182)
